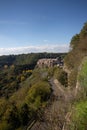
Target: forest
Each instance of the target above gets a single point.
(24, 89)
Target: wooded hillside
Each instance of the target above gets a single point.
(76, 62)
(78, 50)
(24, 89)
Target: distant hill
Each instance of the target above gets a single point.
(30, 58)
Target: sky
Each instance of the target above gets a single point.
(39, 25)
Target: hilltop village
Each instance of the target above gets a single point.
(50, 62)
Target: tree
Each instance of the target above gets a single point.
(24, 114)
(38, 94)
(83, 32)
(74, 41)
(11, 116)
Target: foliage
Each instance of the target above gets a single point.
(11, 116)
(72, 78)
(26, 59)
(78, 50)
(79, 45)
(79, 116)
(82, 76)
(83, 32)
(7, 60)
(51, 71)
(24, 114)
(37, 94)
(3, 104)
(77, 65)
(5, 126)
(11, 81)
(61, 76)
(74, 41)
(19, 105)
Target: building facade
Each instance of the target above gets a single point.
(49, 62)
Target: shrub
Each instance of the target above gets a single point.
(5, 126)
(61, 76)
(82, 77)
(11, 116)
(37, 94)
(24, 114)
(79, 116)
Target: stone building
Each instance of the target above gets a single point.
(49, 62)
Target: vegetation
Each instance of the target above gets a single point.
(21, 96)
(22, 105)
(79, 116)
(82, 77)
(25, 89)
(27, 59)
(12, 79)
(78, 50)
(61, 75)
(76, 62)
(38, 94)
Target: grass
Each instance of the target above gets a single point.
(79, 116)
(82, 76)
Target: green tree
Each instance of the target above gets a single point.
(75, 41)
(24, 114)
(11, 116)
(79, 116)
(38, 94)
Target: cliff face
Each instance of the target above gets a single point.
(76, 68)
(82, 77)
(68, 71)
(77, 116)
(78, 50)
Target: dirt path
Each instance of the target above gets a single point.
(54, 115)
(58, 89)
(59, 86)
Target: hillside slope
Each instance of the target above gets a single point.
(76, 63)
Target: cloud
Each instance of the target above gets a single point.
(46, 40)
(35, 49)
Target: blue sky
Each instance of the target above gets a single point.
(39, 25)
